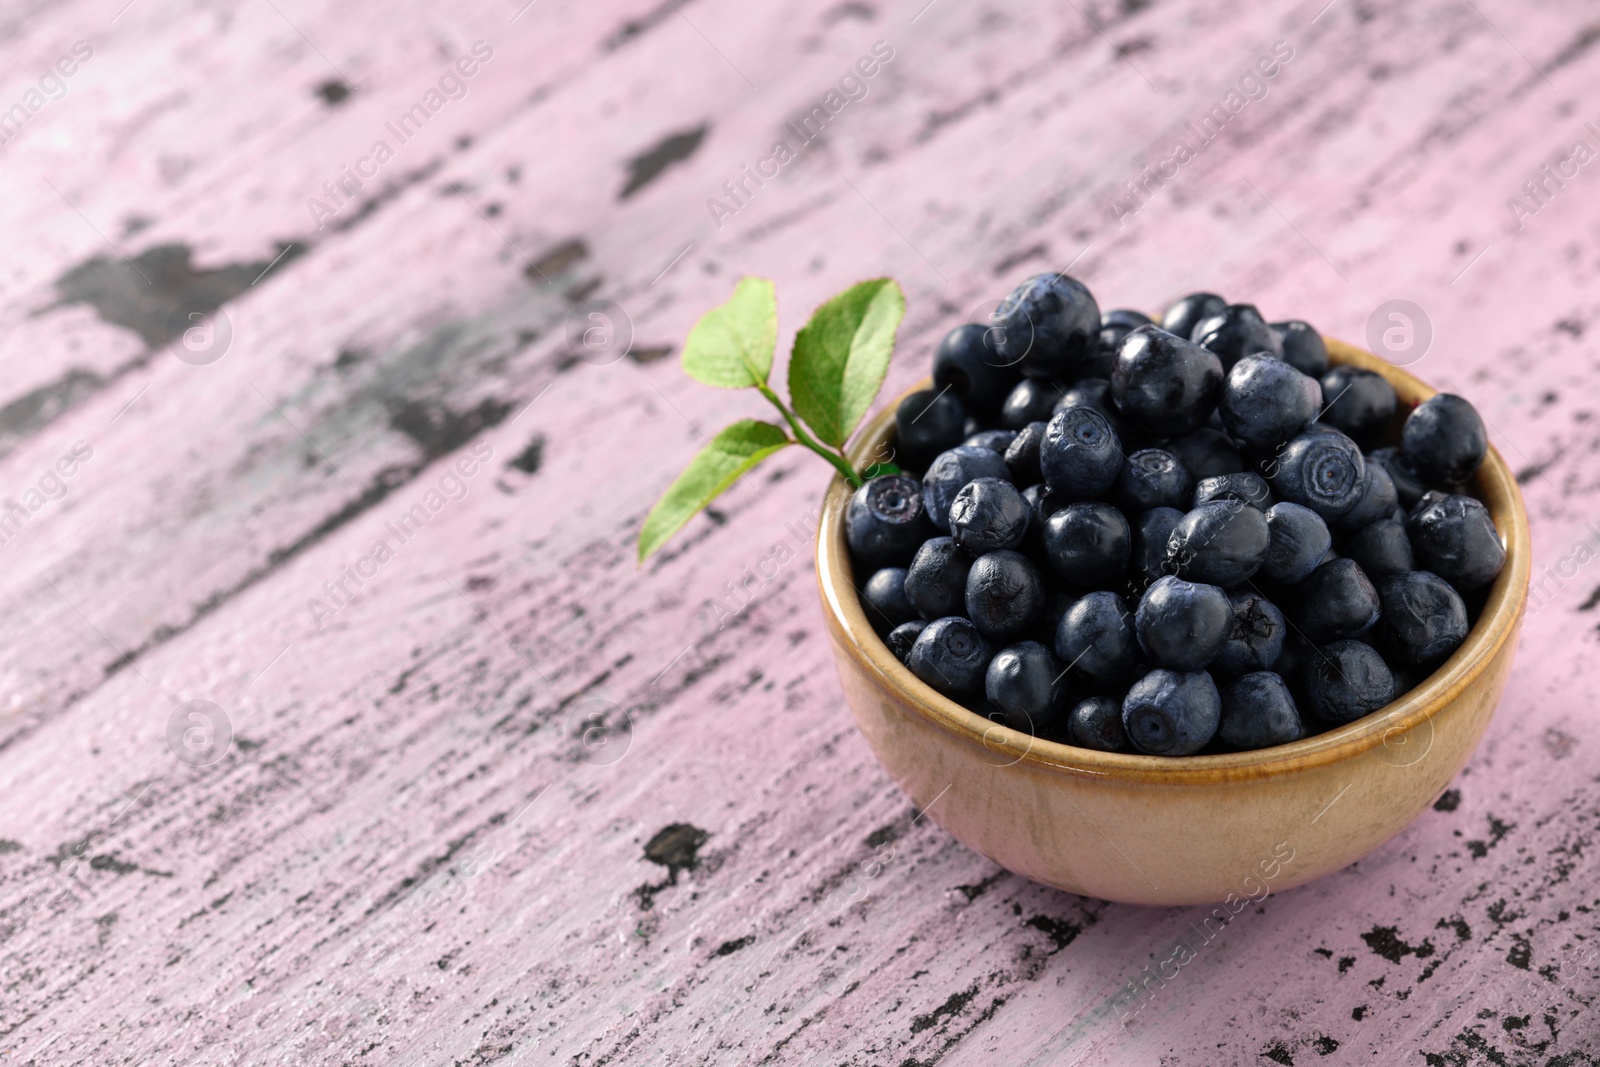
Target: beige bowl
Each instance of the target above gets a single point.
(1196, 829)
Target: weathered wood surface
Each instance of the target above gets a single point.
(516, 801)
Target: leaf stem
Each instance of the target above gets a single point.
(836, 458)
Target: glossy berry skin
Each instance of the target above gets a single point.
(952, 656)
(1258, 712)
(1236, 331)
(1171, 713)
(1298, 538)
(1206, 453)
(1022, 681)
(1187, 312)
(1408, 484)
(1247, 487)
(1382, 549)
(1095, 636)
(936, 581)
(1088, 544)
(1080, 455)
(1004, 595)
(993, 440)
(1337, 601)
(1378, 500)
(1124, 319)
(1047, 326)
(885, 598)
(1444, 439)
(885, 521)
(1345, 680)
(1322, 470)
(1153, 478)
(1164, 383)
(1032, 400)
(927, 423)
(1455, 538)
(1022, 455)
(1221, 543)
(949, 473)
(1150, 533)
(988, 514)
(1359, 403)
(1255, 639)
(1424, 619)
(902, 637)
(1181, 625)
(1303, 347)
(1093, 393)
(1096, 723)
(1265, 401)
(967, 363)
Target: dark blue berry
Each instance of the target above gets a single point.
(1165, 383)
(1081, 455)
(1236, 331)
(936, 581)
(1444, 440)
(1187, 312)
(886, 520)
(1096, 636)
(1022, 455)
(902, 637)
(1424, 619)
(1408, 484)
(1303, 347)
(1320, 469)
(1024, 681)
(926, 423)
(967, 363)
(1298, 540)
(886, 602)
(1265, 401)
(1255, 640)
(1124, 319)
(1048, 326)
(1150, 533)
(1004, 594)
(950, 472)
(1153, 478)
(1096, 722)
(1337, 601)
(1088, 544)
(952, 656)
(1093, 393)
(993, 440)
(1455, 538)
(1346, 680)
(1359, 403)
(988, 514)
(1206, 453)
(1258, 712)
(1171, 713)
(1032, 400)
(1183, 625)
(1220, 543)
(1382, 548)
(1247, 487)
(1378, 500)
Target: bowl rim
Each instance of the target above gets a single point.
(1498, 622)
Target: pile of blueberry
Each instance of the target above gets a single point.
(1182, 538)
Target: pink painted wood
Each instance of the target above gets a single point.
(492, 793)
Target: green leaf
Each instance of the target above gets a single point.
(731, 346)
(718, 465)
(841, 356)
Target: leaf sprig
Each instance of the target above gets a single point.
(836, 368)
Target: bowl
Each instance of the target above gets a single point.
(1197, 829)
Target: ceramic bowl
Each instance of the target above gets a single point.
(1198, 829)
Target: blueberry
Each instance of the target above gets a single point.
(1032, 400)
(1206, 453)
(1246, 487)
(1299, 539)
(1258, 712)
(1444, 439)
(1408, 484)
(950, 655)
(1337, 601)
(988, 514)
(1220, 543)
(902, 637)
(1024, 682)
(1236, 331)
(993, 440)
(1093, 393)
(949, 473)
(1004, 594)
(886, 520)
(1378, 500)
(1166, 384)
(1382, 549)
(968, 365)
(1320, 469)
(1183, 625)
(1022, 455)
(1150, 533)
(1303, 347)
(1359, 403)
(1047, 326)
(1124, 319)
(886, 601)
(1346, 680)
(1455, 538)
(1153, 478)
(1171, 713)
(1096, 722)
(1096, 637)
(1088, 544)
(1424, 620)
(1080, 455)
(1187, 312)
(1265, 401)
(936, 581)
(1255, 639)
(1044, 504)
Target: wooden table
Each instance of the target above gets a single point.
(489, 793)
